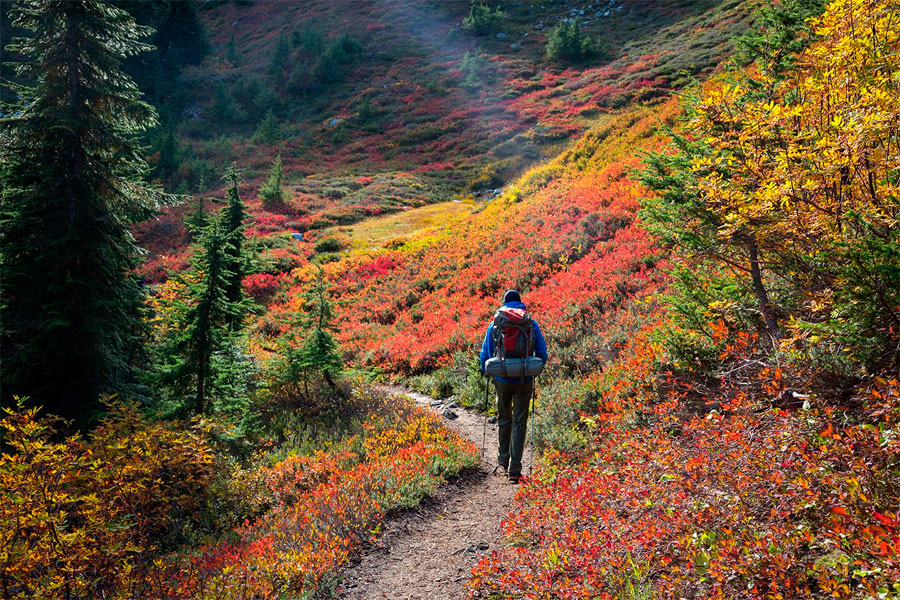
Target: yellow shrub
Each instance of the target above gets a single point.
(81, 517)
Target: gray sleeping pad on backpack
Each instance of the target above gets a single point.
(513, 368)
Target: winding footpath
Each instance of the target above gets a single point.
(429, 552)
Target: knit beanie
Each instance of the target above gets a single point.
(511, 296)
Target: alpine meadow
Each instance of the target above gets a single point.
(483, 299)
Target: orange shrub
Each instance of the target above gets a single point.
(80, 517)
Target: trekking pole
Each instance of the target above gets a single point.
(484, 429)
(531, 458)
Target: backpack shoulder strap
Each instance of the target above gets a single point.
(528, 330)
(497, 334)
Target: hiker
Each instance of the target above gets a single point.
(505, 339)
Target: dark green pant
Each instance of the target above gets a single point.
(512, 420)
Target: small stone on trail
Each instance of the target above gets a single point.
(449, 414)
(492, 419)
(436, 403)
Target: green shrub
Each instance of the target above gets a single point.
(442, 386)
(328, 68)
(345, 49)
(486, 177)
(328, 245)
(473, 387)
(482, 20)
(556, 417)
(308, 39)
(437, 384)
(566, 43)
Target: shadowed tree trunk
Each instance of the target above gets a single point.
(765, 305)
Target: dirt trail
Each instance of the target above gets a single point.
(429, 552)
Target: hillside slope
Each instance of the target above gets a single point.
(424, 111)
(691, 451)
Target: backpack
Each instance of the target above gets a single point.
(513, 334)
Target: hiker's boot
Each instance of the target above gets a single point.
(514, 478)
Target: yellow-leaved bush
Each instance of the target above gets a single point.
(80, 517)
(805, 173)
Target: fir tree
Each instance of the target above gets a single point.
(271, 192)
(168, 156)
(482, 20)
(231, 53)
(780, 34)
(320, 353)
(203, 330)
(224, 109)
(279, 59)
(565, 42)
(72, 186)
(678, 213)
(198, 219)
(233, 216)
(268, 131)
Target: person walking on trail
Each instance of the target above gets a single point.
(509, 335)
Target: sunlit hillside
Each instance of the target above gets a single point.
(418, 109)
(250, 250)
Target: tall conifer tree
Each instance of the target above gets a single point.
(233, 216)
(203, 327)
(72, 185)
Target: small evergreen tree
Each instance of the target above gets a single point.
(279, 60)
(198, 219)
(345, 49)
(187, 357)
(781, 32)
(471, 66)
(169, 156)
(482, 20)
(244, 91)
(231, 53)
(233, 216)
(320, 353)
(272, 192)
(565, 42)
(309, 40)
(71, 170)
(328, 67)
(268, 131)
(224, 109)
(267, 101)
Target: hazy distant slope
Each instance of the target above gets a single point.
(410, 120)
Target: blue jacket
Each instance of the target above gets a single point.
(487, 348)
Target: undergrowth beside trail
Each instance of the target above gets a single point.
(742, 441)
(141, 509)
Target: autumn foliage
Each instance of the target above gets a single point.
(104, 516)
(571, 242)
(719, 416)
(805, 171)
(79, 516)
(323, 508)
(740, 446)
(739, 501)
